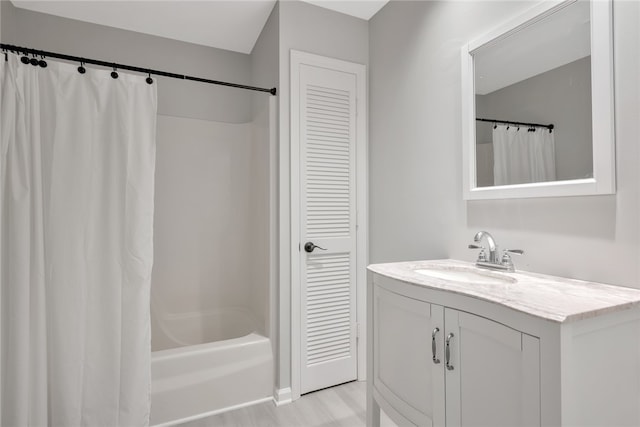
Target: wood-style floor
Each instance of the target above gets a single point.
(340, 406)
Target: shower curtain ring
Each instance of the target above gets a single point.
(34, 61)
(42, 63)
(81, 68)
(149, 80)
(114, 73)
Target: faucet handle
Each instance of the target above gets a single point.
(514, 251)
(506, 258)
(482, 255)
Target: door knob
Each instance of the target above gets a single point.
(310, 246)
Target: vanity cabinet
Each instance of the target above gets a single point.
(490, 376)
(532, 350)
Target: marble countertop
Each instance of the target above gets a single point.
(553, 298)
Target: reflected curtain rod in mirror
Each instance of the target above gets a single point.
(506, 122)
(553, 63)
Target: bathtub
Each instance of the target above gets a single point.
(193, 381)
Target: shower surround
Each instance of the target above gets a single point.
(210, 283)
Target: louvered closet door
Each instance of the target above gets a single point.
(328, 219)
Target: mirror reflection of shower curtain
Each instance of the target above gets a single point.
(77, 159)
(521, 157)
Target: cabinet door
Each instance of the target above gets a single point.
(493, 378)
(405, 373)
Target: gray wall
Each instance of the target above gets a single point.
(414, 123)
(561, 96)
(175, 97)
(323, 32)
(264, 58)
(415, 153)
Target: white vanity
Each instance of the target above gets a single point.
(450, 344)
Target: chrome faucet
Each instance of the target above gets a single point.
(493, 248)
(504, 263)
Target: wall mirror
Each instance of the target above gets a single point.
(538, 104)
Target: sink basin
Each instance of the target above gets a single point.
(466, 276)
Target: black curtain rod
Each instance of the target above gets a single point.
(506, 122)
(44, 53)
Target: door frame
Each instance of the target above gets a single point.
(299, 58)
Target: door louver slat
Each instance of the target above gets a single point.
(330, 293)
(332, 159)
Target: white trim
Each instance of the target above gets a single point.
(603, 181)
(362, 213)
(214, 412)
(517, 23)
(294, 104)
(298, 58)
(274, 332)
(282, 396)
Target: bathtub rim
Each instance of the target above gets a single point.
(244, 340)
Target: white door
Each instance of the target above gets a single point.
(493, 374)
(408, 357)
(327, 147)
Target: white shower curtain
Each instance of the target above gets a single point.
(520, 156)
(76, 225)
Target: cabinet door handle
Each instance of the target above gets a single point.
(448, 353)
(433, 345)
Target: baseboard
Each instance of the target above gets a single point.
(282, 396)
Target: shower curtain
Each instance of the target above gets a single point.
(520, 156)
(77, 160)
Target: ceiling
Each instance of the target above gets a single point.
(225, 24)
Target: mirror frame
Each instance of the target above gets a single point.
(602, 114)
